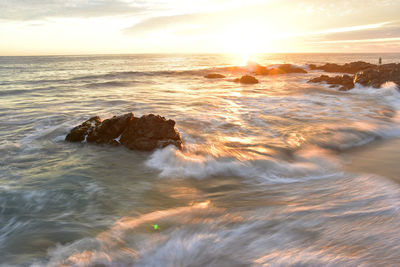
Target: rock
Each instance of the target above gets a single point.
(345, 80)
(247, 79)
(214, 76)
(277, 69)
(79, 133)
(350, 68)
(286, 68)
(378, 75)
(312, 66)
(257, 69)
(110, 129)
(146, 133)
(150, 132)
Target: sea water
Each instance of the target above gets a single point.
(259, 182)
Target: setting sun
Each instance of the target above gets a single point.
(245, 38)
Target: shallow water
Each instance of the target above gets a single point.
(261, 180)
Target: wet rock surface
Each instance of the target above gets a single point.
(379, 75)
(273, 69)
(247, 79)
(374, 76)
(150, 132)
(110, 129)
(79, 133)
(286, 69)
(350, 68)
(346, 81)
(214, 76)
(145, 133)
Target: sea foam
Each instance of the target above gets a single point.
(311, 163)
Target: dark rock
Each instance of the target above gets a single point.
(277, 69)
(286, 68)
(79, 133)
(247, 79)
(110, 129)
(258, 69)
(345, 81)
(378, 75)
(150, 132)
(351, 68)
(214, 76)
(146, 133)
(312, 66)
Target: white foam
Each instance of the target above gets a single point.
(388, 92)
(204, 234)
(118, 139)
(173, 163)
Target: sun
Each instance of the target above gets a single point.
(246, 39)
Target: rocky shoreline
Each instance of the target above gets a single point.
(364, 73)
(360, 72)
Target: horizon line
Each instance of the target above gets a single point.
(184, 53)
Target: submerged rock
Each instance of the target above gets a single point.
(346, 81)
(350, 68)
(214, 76)
(146, 133)
(247, 79)
(378, 75)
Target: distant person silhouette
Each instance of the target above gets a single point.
(380, 61)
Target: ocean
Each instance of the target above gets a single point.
(262, 179)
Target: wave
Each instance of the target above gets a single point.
(312, 230)
(188, 72)
(388, 92)
(311, 163)
(111, 84)
(364, 131)
(127, 74)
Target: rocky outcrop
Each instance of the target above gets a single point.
(285, 69)
(273, 69)
(110, 129)
(214, 76)
(345, 81)
(374, 76)
(378, 75)
(247, 79)
(146, 133)
(350, 68)
(80, 132)
(150, 132)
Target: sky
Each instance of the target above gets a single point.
(61, 27)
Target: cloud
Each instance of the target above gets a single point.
(175, 23)
(42, 9)
(370, 40)
(384, 32)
